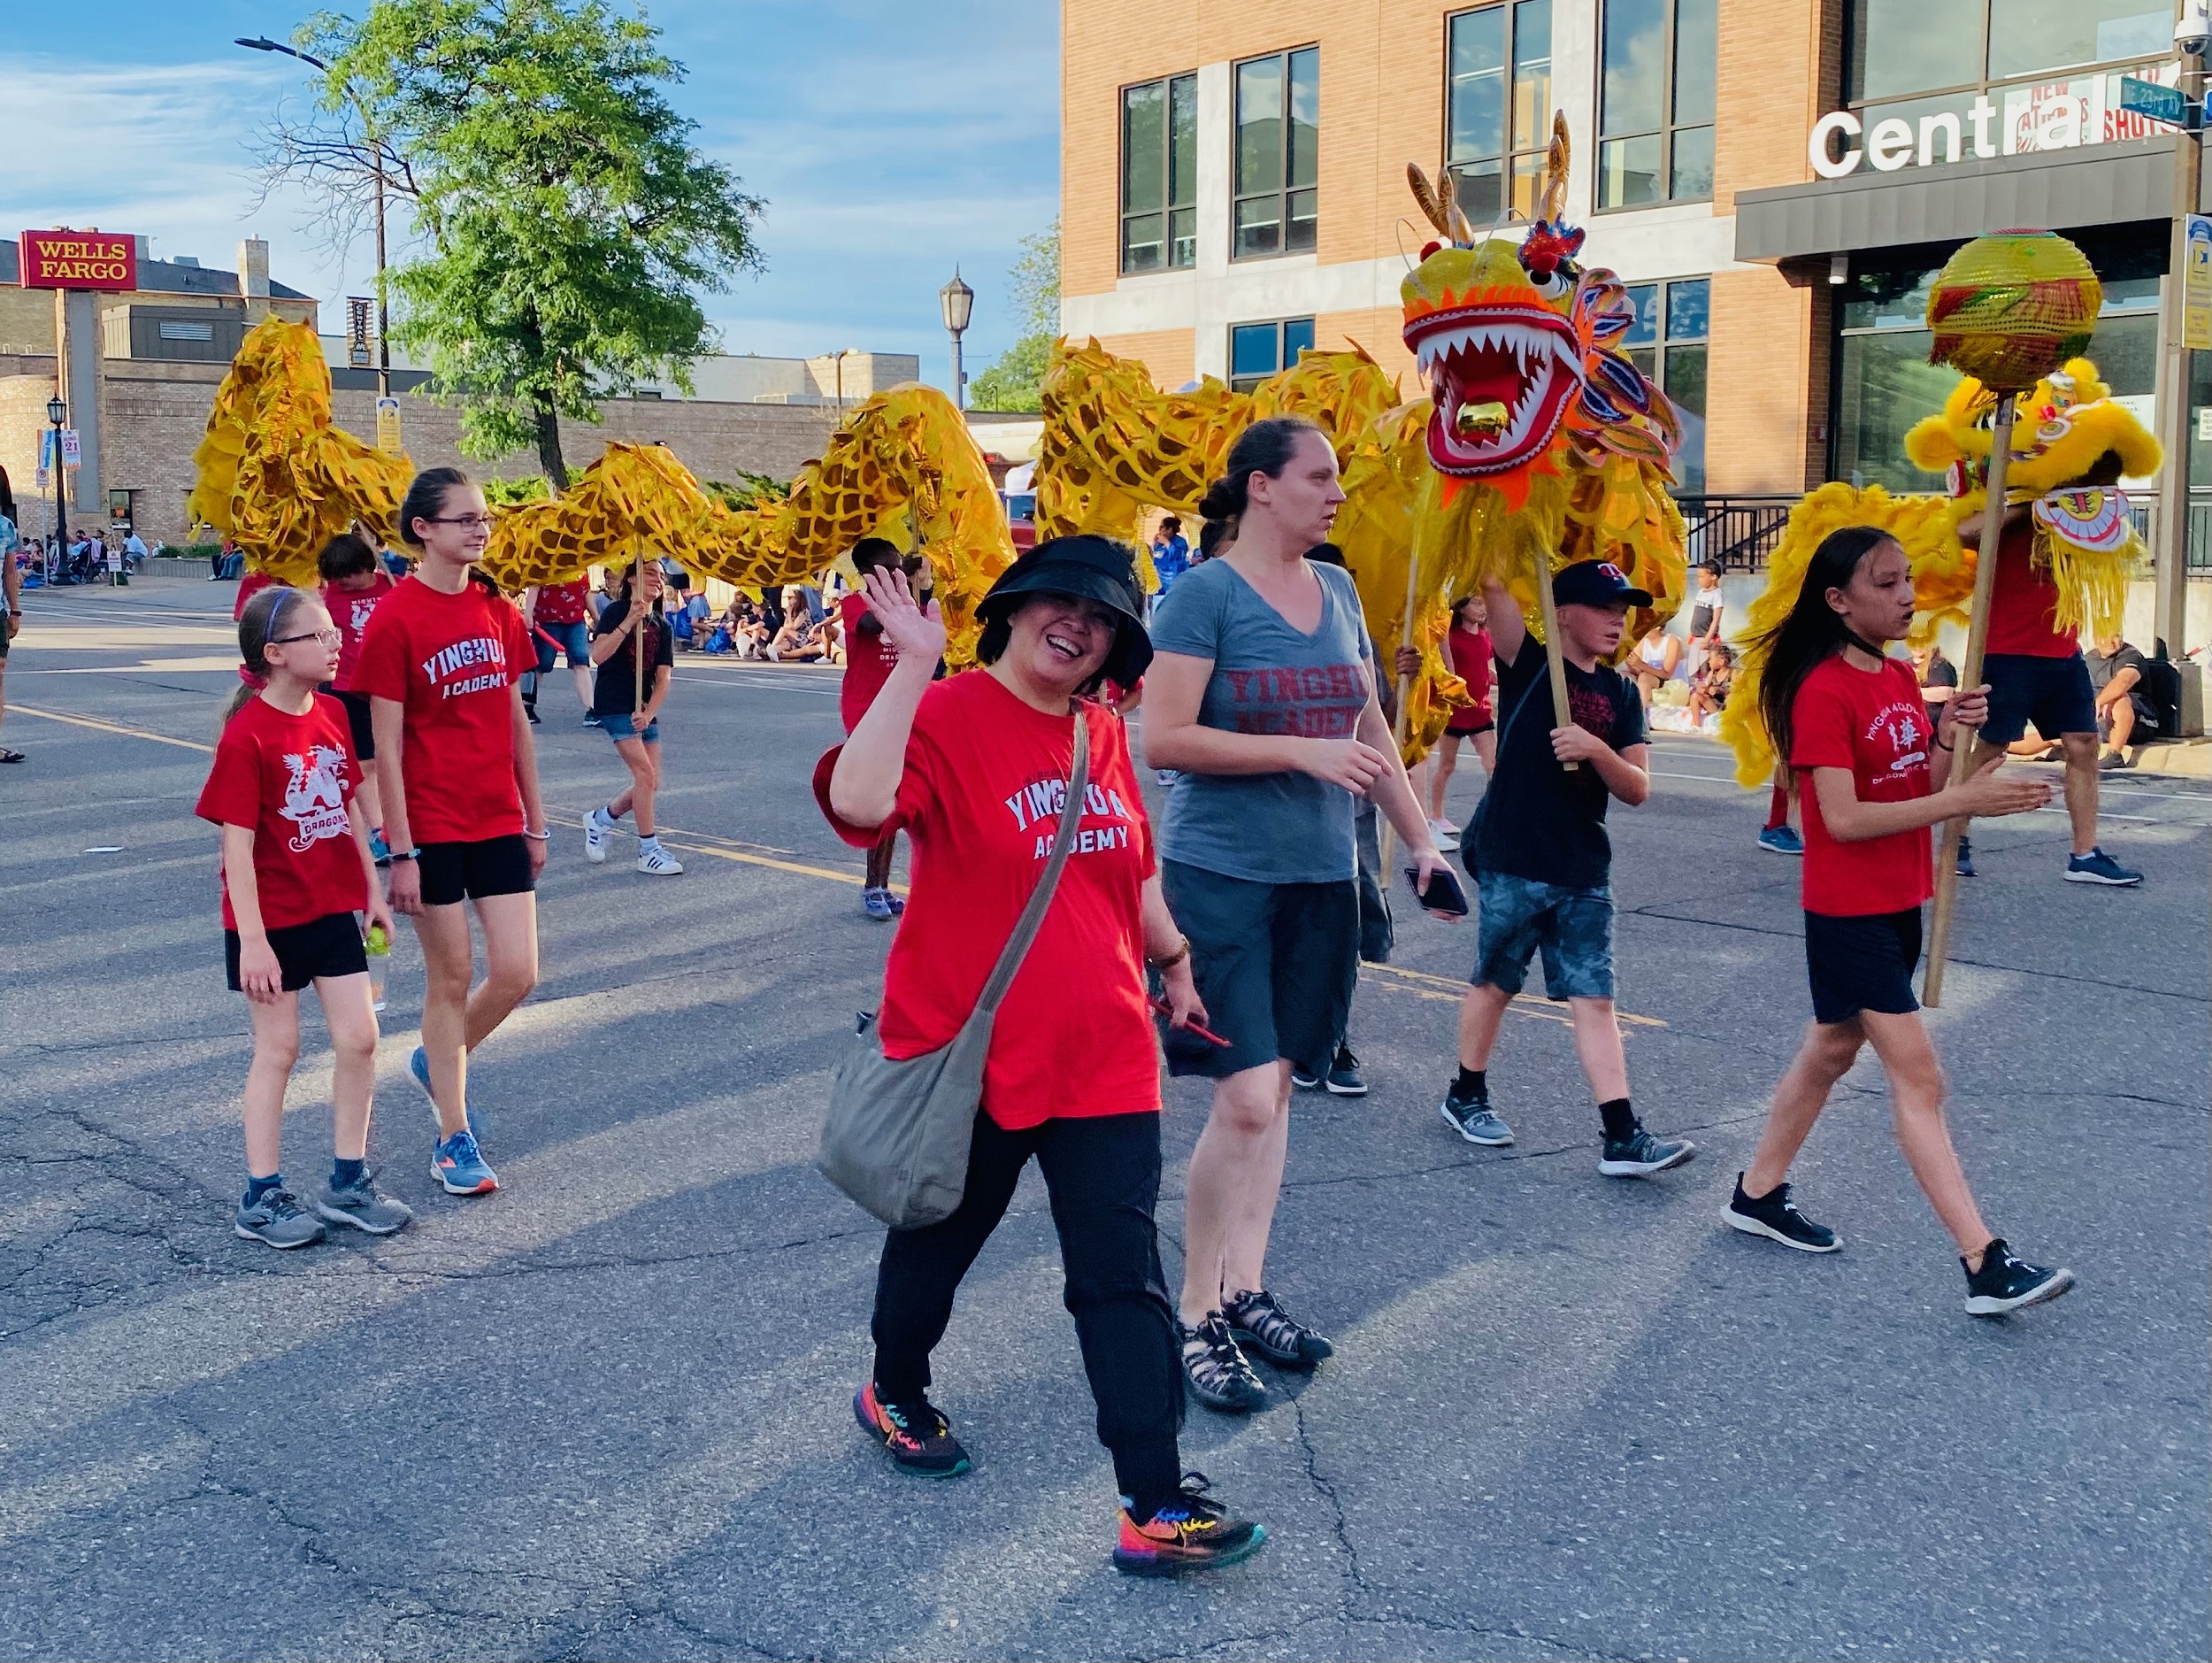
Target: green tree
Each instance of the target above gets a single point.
(571, 224)
(1017, 379)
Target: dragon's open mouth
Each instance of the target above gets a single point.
(1501, 376)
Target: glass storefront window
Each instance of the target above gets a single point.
(1904, 46)
(1897, 48)
(1657, 64)
(2032, 37)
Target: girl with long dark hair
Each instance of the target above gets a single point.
(1850, 722)
(440, 661)
(630, 625)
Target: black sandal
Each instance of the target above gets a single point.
(7, 755)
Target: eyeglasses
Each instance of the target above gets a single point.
(328, 637)
(467, 522)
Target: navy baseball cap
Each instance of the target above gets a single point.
(1596, 583)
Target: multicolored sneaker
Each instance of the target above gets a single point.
(916, 1433)
(1192, 1532)
(458, 1163)
(418, 1071)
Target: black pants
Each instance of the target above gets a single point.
(1103, 1176)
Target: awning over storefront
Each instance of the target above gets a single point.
(2105, 184)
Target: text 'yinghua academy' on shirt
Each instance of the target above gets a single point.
(442, 668)
(1041, 805)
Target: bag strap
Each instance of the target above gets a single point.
(1033, 916)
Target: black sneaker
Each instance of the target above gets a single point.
(1775, 1216)
(1257, 1320)
(2006, 1283)
(1639, 1154)
(1474, 1119)
(918, 1435)
(531, 711)
(1345, 1080)
(1192, 1532)
(1303, 1080)
(1219, 1377)
(1966, 858)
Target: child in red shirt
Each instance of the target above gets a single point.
(1850, 721)
(440, 663)
(1468, 643)
(869, 661)
(354, 580)
(296, 869)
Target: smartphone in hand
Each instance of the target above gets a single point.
(1446, 895)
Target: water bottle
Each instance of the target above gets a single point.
(379, 952)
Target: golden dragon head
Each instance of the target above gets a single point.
(1518, 345)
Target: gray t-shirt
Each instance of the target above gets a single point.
(1267, 678)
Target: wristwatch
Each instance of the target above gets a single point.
(407, 854)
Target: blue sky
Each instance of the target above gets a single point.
(892, 140)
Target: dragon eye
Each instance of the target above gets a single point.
(1554, 284)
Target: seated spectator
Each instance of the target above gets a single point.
(2115, 670)
(1658, 660)
(1938, 676)
(1709, 687)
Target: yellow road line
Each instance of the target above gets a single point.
(110, 727)
(703, 844)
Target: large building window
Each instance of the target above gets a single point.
(1257, 350)
(1934, 73)
(1498, 107)
(1657, 62)
(1884, 382)
(1278, 139)
(1159, 175)
(1668, 343)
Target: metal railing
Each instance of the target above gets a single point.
(1739, 531)
(2143, 510)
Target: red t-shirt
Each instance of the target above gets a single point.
(985, 777)
(249, 586)
(1876, 724)
(869, 660)
(288, 777)
(449, 659)
(563, 603)
(1471, 656)
(350, 609)
(2023, 606)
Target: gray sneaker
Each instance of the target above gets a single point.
(363, 1206)
(1474, 1118)
(279, 1219)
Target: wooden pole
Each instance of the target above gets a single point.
(1405, 688)
(1554, 649)
(1946, 874)
(638, 639)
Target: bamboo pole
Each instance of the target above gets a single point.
(1947, 874)
(643, 632)
(1405, 691)
(1554, 649)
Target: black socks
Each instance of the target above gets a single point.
(1473, 1085)
(1620, 1120)
(345, 1173)
(256, 1188)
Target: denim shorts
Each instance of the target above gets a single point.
(1572, 928)
(621, 725)
(572, 638)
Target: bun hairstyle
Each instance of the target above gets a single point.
(1812, 633)
(1265, 447)
(257, 626)
(345, 555)
(425, 499)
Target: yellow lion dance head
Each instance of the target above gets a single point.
(2062, 431)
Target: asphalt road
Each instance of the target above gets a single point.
(603, 1413)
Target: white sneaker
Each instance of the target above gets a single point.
(1445, 834)
(596, 831)
(657, 861)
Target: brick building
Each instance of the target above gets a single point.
(1775, 180)
(139, 371)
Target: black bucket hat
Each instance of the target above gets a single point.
(1092, 569)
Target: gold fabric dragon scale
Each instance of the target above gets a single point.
(280, 477)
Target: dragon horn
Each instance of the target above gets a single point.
(1447, 188)
(1556, 169)
(1431, 209)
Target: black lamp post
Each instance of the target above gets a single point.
(57, 412)
(262, 43)
(957, 302)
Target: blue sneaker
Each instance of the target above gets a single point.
(418, 1071)
(457, 1163)
(380, 849)
(876, 904)
(1781, 840)
(2097, 866)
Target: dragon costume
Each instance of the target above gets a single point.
(2083, 536)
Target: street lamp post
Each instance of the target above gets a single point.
(957, 302)
(838, 359)
(376, 146)
(57, 412)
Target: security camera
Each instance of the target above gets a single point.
(2194, 33)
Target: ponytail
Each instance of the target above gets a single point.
(257, 625)
(1265, 447)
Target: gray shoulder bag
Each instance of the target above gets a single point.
(898, 1134)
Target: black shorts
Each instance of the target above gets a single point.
(1862, 964)
(1275, 964)
(330, 946)
(358, 717)
(1463, 727)
(2054, 694)
(452, 872)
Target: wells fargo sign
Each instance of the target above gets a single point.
(78, 259)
